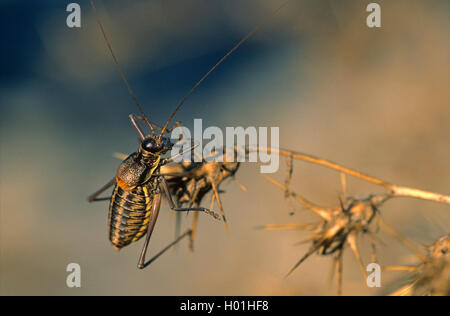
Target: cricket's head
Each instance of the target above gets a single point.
(155, 146)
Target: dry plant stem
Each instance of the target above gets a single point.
(305, 256)
(241, 186)
(340, 265)
(400, 268)
(404, 240)
(343, 185)
(352, 242)
(395, 190)
(287, 226)
(404, 290)
(313, 207)
(194, 231)
(219, 203)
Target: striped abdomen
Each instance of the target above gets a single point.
(130, 212)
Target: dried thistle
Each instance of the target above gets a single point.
(393, 190)
(338, 227)
(431, 277)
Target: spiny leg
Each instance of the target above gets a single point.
(172, 158)
(133, 119)
(151, 226)
(140, 118)
(93, 197)
(168, 130)
(176, 241)
(155, 212)
(182, 209)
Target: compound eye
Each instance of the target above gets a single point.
(149, 144)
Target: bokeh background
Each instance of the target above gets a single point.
(372, 99)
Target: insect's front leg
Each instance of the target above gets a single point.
(133, 119)
(169, 160)
(165, 186)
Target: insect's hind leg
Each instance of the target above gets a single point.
(159, 254)
(133, 119)
(156, 207)
(151, 226)
(182, 209)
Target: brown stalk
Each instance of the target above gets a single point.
(394, 190)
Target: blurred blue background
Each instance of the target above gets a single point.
(375, 100)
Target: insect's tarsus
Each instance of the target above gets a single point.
(156, 256)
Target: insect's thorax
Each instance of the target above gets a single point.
(137, 170)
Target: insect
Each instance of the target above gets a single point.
(140, 180)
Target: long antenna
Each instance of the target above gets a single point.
(248, 36)
(97, 17)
